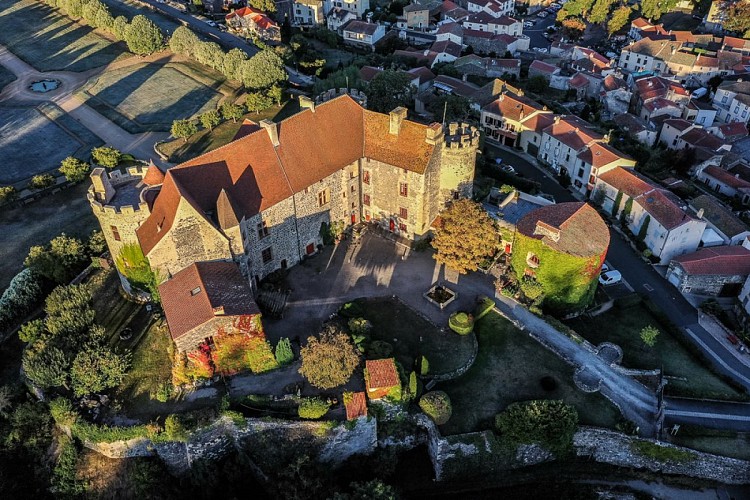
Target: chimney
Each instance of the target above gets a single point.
(103, 189)
(433, 133)
(219, 311)
(397, 116)
(273, 131)
(306, 103)
(699, 214)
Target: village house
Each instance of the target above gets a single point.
(206, 300)
(362, 34)
(563, 140)
(732, 101)
(264, 199)
(495, 8)
(489, 67)
(503, 119)
(669, 230)
(251, 22)
(543, 69)
(615, 95)
(722, 226)
(640, 130)
(729, 132)
(338, 18)
(723, 182)
(308, 13)
(700, 113)
(507, 209)
(451, 32)
(717, 271)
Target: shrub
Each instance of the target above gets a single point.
(649, 335)
(461, 323)
(74, 169)
(312, 408)
(59, 261)
(484, 306)
(174, 429)
(379, 349)
(351, 310)
(106, 156)
(260, 356)
(284, 354)
(7, 194)
(62, 412)
(22, 294)
(41, 181)
(64, 483)
(437, 406)
(330, 360)
(424, 366)
(548, 423)
(359, 326)
(164, 392)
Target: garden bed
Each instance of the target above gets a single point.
(511, 366)
(440, 295)
(622, 326)
(412, 336)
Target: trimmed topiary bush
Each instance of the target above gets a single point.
(312, 408)
(437, 406)
(462, 323)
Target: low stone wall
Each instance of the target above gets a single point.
(442, 377)
(223, 436)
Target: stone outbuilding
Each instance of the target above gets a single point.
(716, 271)
(381, 377)
(208, 299)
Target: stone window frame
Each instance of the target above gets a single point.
(263, 230)
(366, 199)
(403, 213)
(324, 197)
(366, 177)
(115, 233)
(266, 255)
(403, 189)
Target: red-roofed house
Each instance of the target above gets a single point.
(502, 120)
(207, 300)
(381, 378)
(249, 21)
(716, 271)
(724, 182)
(669, 230)
(730, 132)
(543, 69)
(355, 404)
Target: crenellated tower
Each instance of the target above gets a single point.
(458, 160)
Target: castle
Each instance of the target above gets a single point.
(262, 199)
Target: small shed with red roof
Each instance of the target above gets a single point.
(355, 404)
(381, 377)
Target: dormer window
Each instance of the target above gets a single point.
(195, 291)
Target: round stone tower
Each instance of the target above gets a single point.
(458, 160)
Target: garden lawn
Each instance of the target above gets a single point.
(396, 323)
(179, 151)
(6, 77)
(725, 443)
(32, 143)
(149, 97)
(623, 327)
(509, 368)
(49, 40)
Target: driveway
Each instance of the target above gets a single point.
(641, 276)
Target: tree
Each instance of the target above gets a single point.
(8, 194)
(210, 54)
(284, 354)
(625, 214)
(231, 111)
(263, 70)
(263, 5)
(275, 93)
(578, 7)
(59, 261)
(41, 181)
(45, 365)
(465, 236)
(69, 312)
(454, 107)
(371, 490)
(312, 408)
(738, 18)
(600, 11)
(644, 228)
(97, 368)
(120, 27)
(32, 331)
(389, 90)
(549, 423)
(22, 294)
(74, 169)
(616, 204)
(106, 156)
(619, 18)
(184, 41)
(182, 129)
(232, 64)
(328, 361)
(649, 335)
(255, 102)
(574, 27)
(210, 119)
(537, 84)
(143, 36)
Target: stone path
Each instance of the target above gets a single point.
(17, 92)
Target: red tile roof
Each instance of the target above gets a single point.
(573, 132)
(153, 176)
(512, 106)
(539, 121)
(194, 295)
(248, 127)
(367, 73)
(357, 406)
(578, 81)
(721, 261)
(543, 66)
(599, 154)
(581, 230)
(624, 180)
(381, 374)
(733, 129)
(663, 209)
(725, 177)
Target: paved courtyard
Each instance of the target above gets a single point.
(372, 267)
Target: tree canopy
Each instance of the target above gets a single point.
(143, 36)
(389, 90)
(74, 169)
(619, 18)
(465, 236)
(106, 156)
(550, 423)
(263, 70)
(59, 261)
(738, 18)
(183, 129)
(329, 360)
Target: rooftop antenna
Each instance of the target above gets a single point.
(347, 82)
(445, 111)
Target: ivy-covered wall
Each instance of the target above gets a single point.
(569, 281)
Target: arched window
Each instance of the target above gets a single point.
(532, 260)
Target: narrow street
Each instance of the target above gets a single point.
(641, 276)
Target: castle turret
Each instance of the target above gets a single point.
(118, 202)
(458, 160)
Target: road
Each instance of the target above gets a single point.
(645, 280)
(226, 40)
(536, 34)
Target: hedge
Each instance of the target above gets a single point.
(312, 408)
(550, 423)
(461, 323)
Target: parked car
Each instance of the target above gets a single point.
(610, 278)
(542, 14)
(605, 268)
(528, 24)
(508, 169)
(543, 50)
(211, 23)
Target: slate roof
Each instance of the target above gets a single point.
(381, 373)
(192, 296)
(716, 261)
(582, 231)
(718, 215)
(363, 27)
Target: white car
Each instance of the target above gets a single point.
(211, 23)
(610, 278)
(543, 50)
(508, 169)
(528, 24)
(605, 268)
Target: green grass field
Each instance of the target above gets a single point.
(147, 97)
(623, 326)
(49, 40)
(509, 368)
